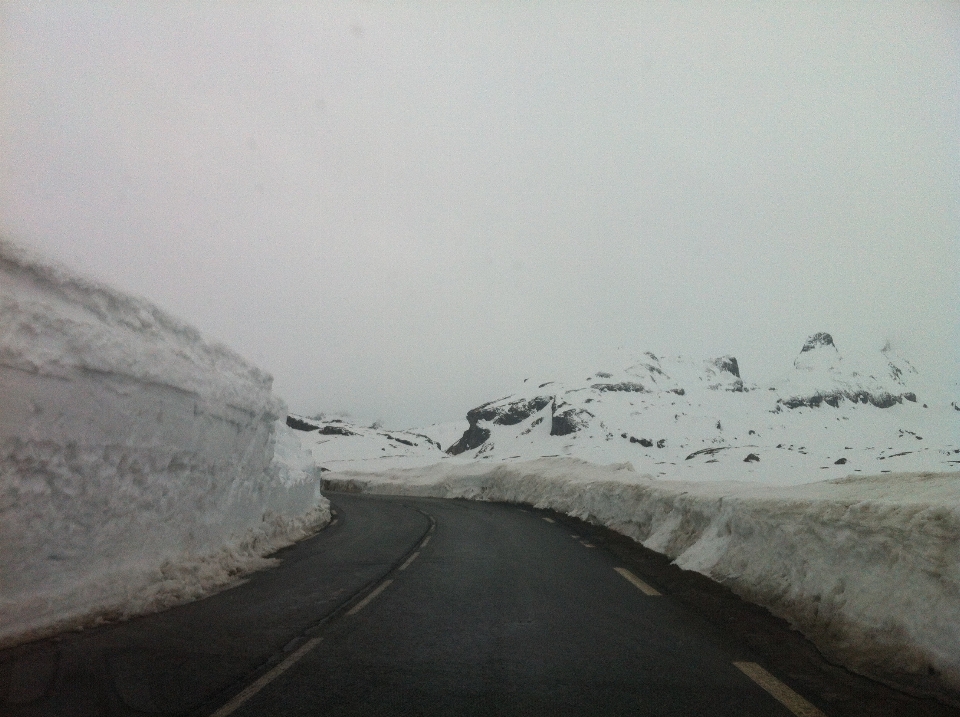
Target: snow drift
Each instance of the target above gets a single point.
(867, 567)
(140, 466)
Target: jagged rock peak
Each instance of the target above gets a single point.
(818, 353)
(819, 339)
(728, 364)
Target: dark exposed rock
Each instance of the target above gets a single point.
(818, 339)
(645, 442)
(840, 461)
(298, 425)
(428, 440)
(510, 413)
(472, 438)
(728, 364)
(629, 386)
(336, 431)
(751, 458)
(706, 452)
(399, 440)
(662, 443)
(603, 374)
(678, 391)
(881, 399)
(569, 421)
(910, 396)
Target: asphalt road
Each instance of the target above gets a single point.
(430, 607)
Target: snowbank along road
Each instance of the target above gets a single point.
(426, 606)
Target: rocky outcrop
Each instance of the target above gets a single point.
(627, 386)
(822, 377)
(728, 364)
(298, 425)
(508, 414)
(336, 431)
(570, 420)
(473, 437)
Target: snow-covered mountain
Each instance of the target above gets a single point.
(676, 418)
(338, 444)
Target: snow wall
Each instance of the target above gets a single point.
(868, 567)
(140, 466)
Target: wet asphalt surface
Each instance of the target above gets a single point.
(490, 609)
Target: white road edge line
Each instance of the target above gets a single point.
(250, 690)
(425, 541)
(783, 694)
(549, 520)
(408, 561)
(637, 582)
(369, 598)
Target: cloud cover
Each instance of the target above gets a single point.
(401, 210)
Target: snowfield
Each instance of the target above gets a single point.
(832, 497)
(140, 466)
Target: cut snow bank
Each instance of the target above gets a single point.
(140, 466)
(867, 567)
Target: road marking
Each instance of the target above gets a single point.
(366, 601)
(587, 545)
(250, 690)
(549, 520)
(637, 582)
(425, 541)
(783, 694)
(409, 560)
(334, 521)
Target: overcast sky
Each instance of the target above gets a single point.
(402, 209)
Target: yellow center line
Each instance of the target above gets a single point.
(637, 582)
(783, 694)
(250, 690)
(366, 601)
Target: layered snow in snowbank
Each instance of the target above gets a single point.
(140, 466)
(867, 567)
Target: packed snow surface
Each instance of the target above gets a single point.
(140, 466)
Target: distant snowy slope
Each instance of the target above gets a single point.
(338, 445)
(681, 419)
(139, 464)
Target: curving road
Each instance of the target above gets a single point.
(422, 606)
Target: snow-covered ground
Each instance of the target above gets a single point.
(679, 419)
(831, 497)
(140, 466)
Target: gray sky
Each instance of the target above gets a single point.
(403, 209)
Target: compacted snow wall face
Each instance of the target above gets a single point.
(868, 568)
(139, 465)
